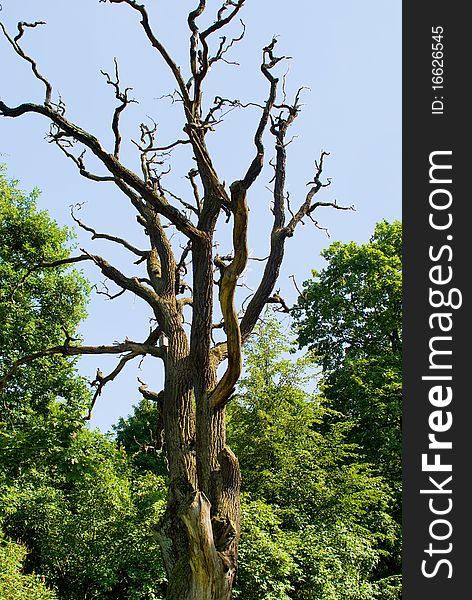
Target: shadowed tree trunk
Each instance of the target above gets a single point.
(199, 533)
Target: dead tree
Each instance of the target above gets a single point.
(200, 530)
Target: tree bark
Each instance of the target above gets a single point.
(199, 532)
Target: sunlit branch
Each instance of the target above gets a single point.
(229, 279)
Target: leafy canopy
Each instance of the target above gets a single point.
(352, 308)
(307, 487)
(38, 306)
(350, 315)
(84, 520)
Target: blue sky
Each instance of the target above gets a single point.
(347, 53)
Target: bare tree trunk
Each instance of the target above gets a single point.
(199, 532)
(201, 572)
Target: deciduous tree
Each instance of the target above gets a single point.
(38, 305)
(14, 584)
(331, 511)
(83, 518)
(350, 315)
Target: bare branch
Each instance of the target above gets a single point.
(307, 207)
(218, 104)
(134, 284)
(147, 136)
(106, 236)
(66, 349)
(124, 178)
(222, 50)
(134, 198)
(148, 394)
(181, 270)
(161, 260)
(257, 259)
(182, 264)
(159, 47)
(186, 205)
(300, 293)
(200, 61)
(46, 265)
(105, 291)
(277, 299)
(280, 232)
(14, 42)
(60, 262)
(185, 302)
(101, 381)
(131, 284)
(168, 147)
(78, 160)
(122, 96)
(221, 21)
(194, 41)
(191, 176)
(269, 60)
(279, 127)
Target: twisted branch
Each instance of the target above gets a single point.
(22, 25)
(122, 96)
(229, 279)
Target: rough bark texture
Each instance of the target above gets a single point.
(199, 533)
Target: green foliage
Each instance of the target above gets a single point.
(37, 306)
(267, 415)
(89, 528)
(68, 494)
(139, 435)
(350, 316)
(339, 563)
(324, 511)
(266, 555)
(14, 584)
(316, 518)
(369, 392)
(352, 309)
